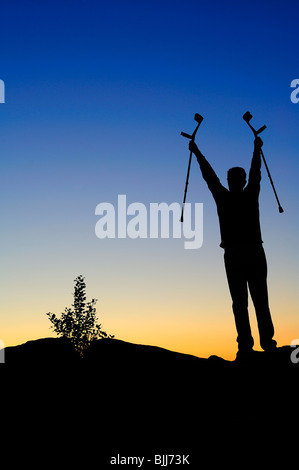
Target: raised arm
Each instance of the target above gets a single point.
(207, 171)
(256, 162)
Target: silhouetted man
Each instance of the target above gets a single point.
(244, 257)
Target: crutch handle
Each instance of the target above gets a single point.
(188, 136)
(261, 129)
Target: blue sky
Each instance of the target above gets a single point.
(96, 97)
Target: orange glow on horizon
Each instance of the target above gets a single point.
(191, 337)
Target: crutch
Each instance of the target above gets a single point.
(247, 117)
(198, 118)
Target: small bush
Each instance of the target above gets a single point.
(80, 322)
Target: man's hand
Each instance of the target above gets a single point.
(193, 147)
(258, 143)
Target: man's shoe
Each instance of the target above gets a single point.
(245, 355)
(270, 347)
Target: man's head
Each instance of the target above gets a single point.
(236, 178)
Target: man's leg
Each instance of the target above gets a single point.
(257, 282)
(237, 282)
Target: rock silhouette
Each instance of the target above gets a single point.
(134, 398)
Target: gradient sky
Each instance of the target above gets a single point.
(97, 94)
